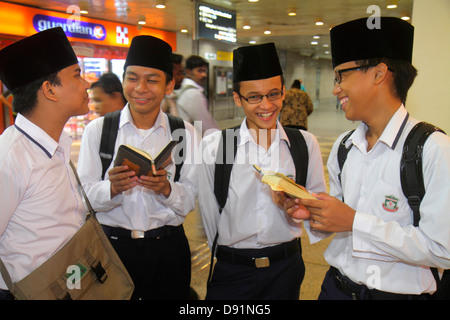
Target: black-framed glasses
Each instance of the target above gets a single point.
(257, 98)
(338, 73)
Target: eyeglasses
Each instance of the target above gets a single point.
(338, 73)
(259, 97)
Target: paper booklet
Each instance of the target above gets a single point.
(140, 161)
(279, 182)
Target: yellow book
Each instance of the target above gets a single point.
(279, 182)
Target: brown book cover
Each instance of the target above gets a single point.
(141, 161)
(279, 182)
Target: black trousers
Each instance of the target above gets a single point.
(279, 281)
(6, 295)
(335, 286)
(159, 266)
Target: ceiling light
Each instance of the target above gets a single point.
(252, 42)
(319, 22)
(316, 37)
(160, 4)
(405, 17)
(141, 20)
(292, 12)
(253, 0)
(267, 31)
(314, 43)
(184, 30)
(246, 25)
(84, 7)
(392, 4)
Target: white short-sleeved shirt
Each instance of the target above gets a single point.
(384, 250)
(41, 203)
(138, 208)
(250, 218)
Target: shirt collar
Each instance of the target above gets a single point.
(125, 117)
(189, 82)
(245, 136)
(40, 137)
(391, 132)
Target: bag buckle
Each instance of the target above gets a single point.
(99, 272)
(262, 262)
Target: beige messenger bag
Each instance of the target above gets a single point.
(85, 268)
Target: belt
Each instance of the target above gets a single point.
(258, 258)
(360, 291)
(158, 233)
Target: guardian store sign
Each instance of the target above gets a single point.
(72, 28)
(23, 21)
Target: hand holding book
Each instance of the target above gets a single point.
(282, 185)
(134, 166)
(141, 162)
(279, 182)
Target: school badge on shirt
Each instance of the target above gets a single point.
(390, 203)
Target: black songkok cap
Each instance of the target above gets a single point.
(150, 52)
(35, 57)
(256, 62)
(360, 39)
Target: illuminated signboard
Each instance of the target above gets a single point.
(216, 23)
(80, 29)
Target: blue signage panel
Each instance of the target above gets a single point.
(71, 27)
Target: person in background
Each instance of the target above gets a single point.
(192, 104)
(41, 206)
(297, 106)
(169, 103)
(107, 94)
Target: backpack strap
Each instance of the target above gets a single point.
(108, 139)
(222, 175)
(343, 152)
(178, 123)
(411, 172)
(299, 153)
(223, 167)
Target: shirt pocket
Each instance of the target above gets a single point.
(388, 203)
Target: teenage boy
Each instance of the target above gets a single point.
(377, 253)
(258, 249)
(143, 216)
(41, 207)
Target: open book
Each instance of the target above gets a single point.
(279, 182)
(140, 161)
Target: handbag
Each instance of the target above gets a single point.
(85, 268)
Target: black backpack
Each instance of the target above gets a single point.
(222, 174)
(411, 176)
(109, 136)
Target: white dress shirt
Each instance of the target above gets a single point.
(138, 208)
(192, 106)
(384, 250)
(250, 218)
(41, 203)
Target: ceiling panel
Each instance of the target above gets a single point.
(293, 33)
